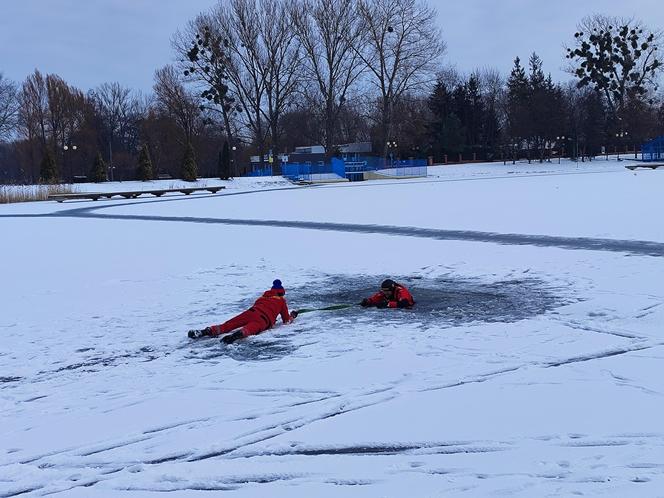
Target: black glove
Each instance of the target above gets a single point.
(404, 303)
(195, 334)
(382, 304)
(293, 315)
(365, 303)
(231, 338)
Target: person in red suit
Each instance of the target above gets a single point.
(391, 295)
(260, 317)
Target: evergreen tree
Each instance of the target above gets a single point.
(48, 171)
(144, 170)
(491, 131)
(559, 112)
(461, 108)
(593, 122)
(476, 107)
(491, 91)
(468, 108)
(518, 124)
(638, 119)
(98, 171)
(445, 130)
(440, 102)
(188, 171)
(225, 162)
(539, 106)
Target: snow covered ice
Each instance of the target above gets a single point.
(531, 365)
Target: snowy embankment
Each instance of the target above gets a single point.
(528, 367)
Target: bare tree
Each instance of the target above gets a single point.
(116, 107)
(50, 113)
(66, 114)
(282, 63)
(492, 85)
(400, 43)
(203, 49)
(65, 108)
(328, 31)
(34, 109)
(9, 107)
(174, 99)
(246, 61)
(239, 20)
(33, 99)
(615, 56)
(203, 61)
(264, 63)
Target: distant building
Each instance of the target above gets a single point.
(356, 148)
(315, 154)
(310, 149)
(653, 150)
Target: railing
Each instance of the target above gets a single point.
(267, 171)
(386, 167)
(653, 151)
(354, 170)
(132, 194)
(321, 171)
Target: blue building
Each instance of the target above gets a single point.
(354, 162)
(653, 150)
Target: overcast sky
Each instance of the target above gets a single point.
(89, 42)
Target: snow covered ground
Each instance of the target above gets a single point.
(531, 365)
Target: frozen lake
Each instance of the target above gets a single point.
(530, 366)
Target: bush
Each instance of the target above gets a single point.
(144, 171)
(98, 173)
(48, 171)
(189, 167)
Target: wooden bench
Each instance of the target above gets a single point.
(132, 194)
(645, 165)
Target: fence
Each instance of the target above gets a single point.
(388, 167)
(653, 150)
(353, 170)
(333, 170)
(267, 171)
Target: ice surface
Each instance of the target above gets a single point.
(530, 366)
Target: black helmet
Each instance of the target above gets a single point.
(388, 284)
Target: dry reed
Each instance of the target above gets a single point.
(27, 193)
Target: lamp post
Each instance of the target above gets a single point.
(619, 137)
(65, 149)
(110, 157)
(233, 149)
(559, 141)
(514, 146)
(391, 146)
(576, 149)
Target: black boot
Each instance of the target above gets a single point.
(196, 334)
(231, 338)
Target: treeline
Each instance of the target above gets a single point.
(258, 77)
(60, 133)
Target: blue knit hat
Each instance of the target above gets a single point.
(276, 285)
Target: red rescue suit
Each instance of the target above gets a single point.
(399, 298)
(260, 317)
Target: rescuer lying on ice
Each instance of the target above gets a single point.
(391, 295)
(260, 317)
